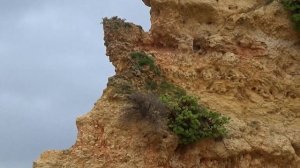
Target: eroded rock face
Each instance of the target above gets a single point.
(241, 57)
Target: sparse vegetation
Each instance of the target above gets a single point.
(121, 86)
(147, 106)
(142, 59)
(294, 7)
(151, 85)
(166, 88)
(124, 89)
(169, 106)
(117, 23)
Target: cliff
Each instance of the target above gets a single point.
(242, 58)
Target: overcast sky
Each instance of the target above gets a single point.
(52, 69)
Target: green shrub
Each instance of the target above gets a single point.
(192, 122)
(294, 7)
(142, 59)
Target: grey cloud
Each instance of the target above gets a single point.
(52, 69)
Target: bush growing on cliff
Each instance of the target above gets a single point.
(192, 122)
(147, 106)
(168, 106)
(294, 7)
(142, 59)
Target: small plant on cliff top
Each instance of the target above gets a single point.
(192, 122)
(294, 7)
(116, 23)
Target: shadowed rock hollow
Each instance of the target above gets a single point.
(242, 58)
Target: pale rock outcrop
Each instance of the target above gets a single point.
(242, 58)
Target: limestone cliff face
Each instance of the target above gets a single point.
(241, 57)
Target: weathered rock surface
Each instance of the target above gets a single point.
(241, 57)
